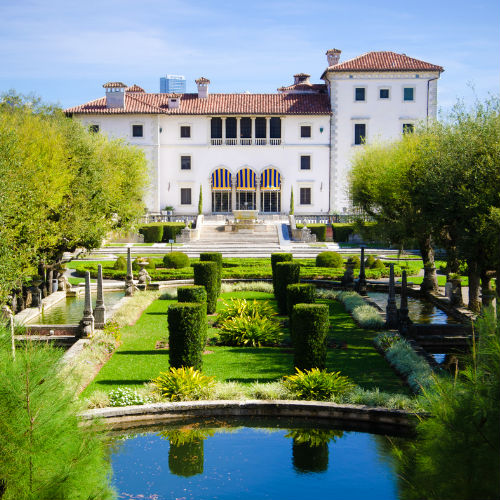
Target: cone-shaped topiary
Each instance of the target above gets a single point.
(205, 274)
(287, 273)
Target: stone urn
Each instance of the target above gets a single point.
(36, 293)
(144, 278)
(456, 291)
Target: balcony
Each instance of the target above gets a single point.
(246, 142)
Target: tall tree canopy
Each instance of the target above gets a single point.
(62, 187)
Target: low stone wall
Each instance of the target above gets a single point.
(74, 330)
(162, 412)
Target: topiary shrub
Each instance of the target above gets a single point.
(329, 259)
(354, 261)
(287, 273)
(120, 264)
(186, 325)
(195, 293)
(217, 258)
(183, 384)
(171, 230)
(149, 260)
(369, 261)
(299, 293)
(247, 331)
(245, 308)
(341, 232)
(275, 258)
(153, 233)
(205, 274)
(378, 264)
(175, 260)
(309, 330)
(319, 230)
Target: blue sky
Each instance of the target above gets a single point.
(64, 50)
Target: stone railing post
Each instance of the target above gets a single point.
(391, 311)
(100, 308)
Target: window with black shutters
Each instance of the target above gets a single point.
(230, 128)
(359, 133)
(359, 94)
(94, 129)
(245, 128)
(275, 128)
(137, 131)
(305, 196)
(185, 196)
(408, 94)
(305, 162)
(185, 131)
(260, 128)
(305, 131)
(185, 163)
(216, 128)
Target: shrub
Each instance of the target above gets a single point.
(175, 260)
(186, 325)
(329, 259)
(205, 274)
(367, 316)
(217, 258)
(183, 384)
(112, 328)
(120, 263)
(378, 264)
(369, 261)
(123, 396)
(299, 293)
(243, 308)
(198, 294)
(275, 258)
(149, 260)
(319, 230)
(350, 300)
(317, 385)
(153, 233)
(254, 286)
(354, 261)
(171, 230)
(341, 232)
(247, 331)
(287, 273)
(309, 330)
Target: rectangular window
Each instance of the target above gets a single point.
(408, 128)
(260, 128)
(230, 128)
(305, 163)
(136, 130)
(246, 128)
(185, 131)
(408, 94)
(275, 128)
(384, 94)
(216, 128)
(359, 133)
(185, 196)
(305, 131)
(185, 163)
(360, 94)
(305, 196)
(94, 129)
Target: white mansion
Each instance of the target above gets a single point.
(249, 151)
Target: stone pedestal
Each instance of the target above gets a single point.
(144, 277)
(404, 318)
(456, 293)
(87, 322)
(130, 287)
(361, 284)
(391, 311)
(100, 308)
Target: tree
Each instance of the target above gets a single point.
(292, 204)
(200, 202)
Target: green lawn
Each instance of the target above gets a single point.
(136, 361)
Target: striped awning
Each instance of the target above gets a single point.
(221, 179)
(246, 179)
(270, 179)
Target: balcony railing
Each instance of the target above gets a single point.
(216, 142)
(275, 142)
(231, 142)
(245, 142)
(260, 142)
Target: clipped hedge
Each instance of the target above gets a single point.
(309, 330)
(378, 264)
(186, 326)
(275, 258)
(354, 261)
(287, 273)
(120, 264)
(175, 260)
(329, 259)
(198, 294)
(299, 293)
(369, 262)
(161, 231)
(319, 230)
(205, 274)
(152, 233)
(217, 258)
(341, 232)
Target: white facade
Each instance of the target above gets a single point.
(182, 153)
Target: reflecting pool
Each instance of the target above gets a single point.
(246, 459)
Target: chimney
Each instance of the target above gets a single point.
(174, 101)
(115, 94)
(202, 87)
(333, 56)
(301, 78)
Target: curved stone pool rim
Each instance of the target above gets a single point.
(154, 413)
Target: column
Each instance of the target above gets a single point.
(257, 193)
(223, 130)
(391, 311)
(268, 130)
(238, 130)
(130, 288)
(100, 308)
(233, 193)
(253, 129)
(87, 322)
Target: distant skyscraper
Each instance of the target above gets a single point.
(173, 83)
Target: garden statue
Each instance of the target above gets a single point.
(130, 287)
(100, 308)
(87, 322)
(144, 277)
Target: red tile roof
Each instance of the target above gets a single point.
(114, 85)
(384, 61)
(214, 104)
(305, 87)
(134, 88)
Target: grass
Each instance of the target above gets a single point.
(136, 361)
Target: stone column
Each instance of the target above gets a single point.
(391, 311)
(268, 130)
(238, 129)
(87, 322)
(257, 193)
(253, 134)
(130, 288)
(223, 130)
(100, 308)
(361, 284)
(233, 193)
(404, 319)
